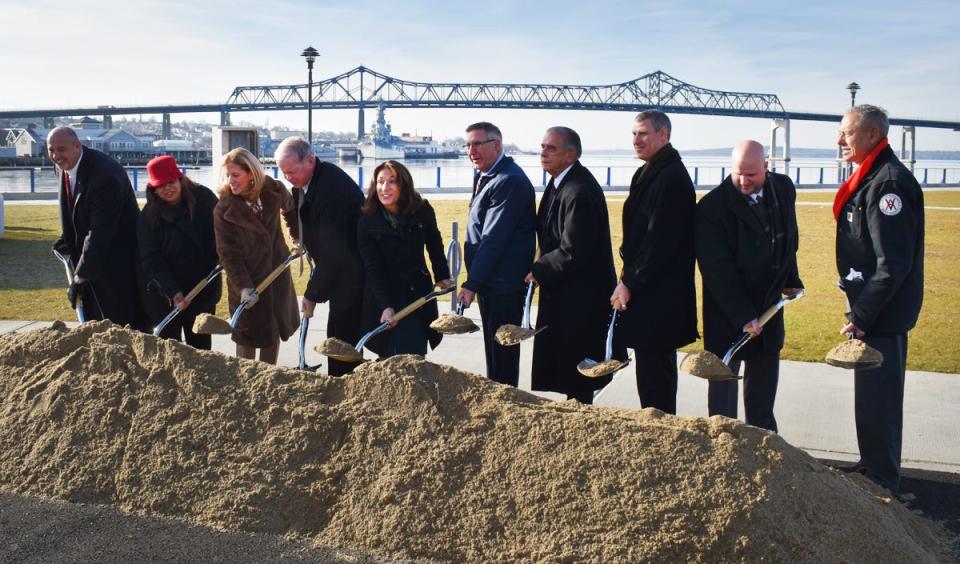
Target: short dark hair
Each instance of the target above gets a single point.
(658, 119)
(491, 130)
(874, 116)
(571, 140)
(408, 201)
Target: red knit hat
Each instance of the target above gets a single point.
(162, 170)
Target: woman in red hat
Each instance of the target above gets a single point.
(250, 243)
(178, 249)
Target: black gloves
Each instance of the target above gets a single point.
(74, 293)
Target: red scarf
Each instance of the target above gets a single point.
(850, 186)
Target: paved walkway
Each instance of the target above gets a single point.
(814, 403)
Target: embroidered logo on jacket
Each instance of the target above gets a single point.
(890, 204)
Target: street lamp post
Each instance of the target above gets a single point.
(310, 54)
(853, 87)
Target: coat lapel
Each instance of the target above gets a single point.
(738, 204)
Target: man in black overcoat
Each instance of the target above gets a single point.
(329, 204)
(98, 217)
(574, 271)
(746, 241)
(656, 287)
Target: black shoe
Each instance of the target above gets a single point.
(856, 467)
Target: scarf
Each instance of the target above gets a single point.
(850, 186)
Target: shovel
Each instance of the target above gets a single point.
(706, 365)
(211, 325)
(509, 335)
(854, 353)
(71, 276)
(454, 323)
(339, 350)
(598, 369)
(193, 294)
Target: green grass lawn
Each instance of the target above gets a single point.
(32, 281)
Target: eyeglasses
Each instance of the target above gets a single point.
(469, 146)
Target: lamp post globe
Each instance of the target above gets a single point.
(853, 87)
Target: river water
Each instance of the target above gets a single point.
(613, 170)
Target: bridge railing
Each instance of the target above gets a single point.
(455, 177)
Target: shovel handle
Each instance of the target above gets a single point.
(203, 283)
(276, 272)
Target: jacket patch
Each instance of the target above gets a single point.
(890, 204)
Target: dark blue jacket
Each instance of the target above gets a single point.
(501, 232)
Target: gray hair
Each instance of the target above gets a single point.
(293, 145)
(570, 138)
(492, 131)
(658, 119)
(63, 130)
(871, 116)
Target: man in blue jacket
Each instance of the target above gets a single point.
(501, 241)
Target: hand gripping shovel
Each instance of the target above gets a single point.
(706, 365)
(189, 297)
(454, 323)
(594, 369)
(71, 276)
(509, 335)
(339, 350)
(210, 325)
(854, 353)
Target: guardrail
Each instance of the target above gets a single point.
(23, 180)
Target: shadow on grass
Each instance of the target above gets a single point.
(29, 265)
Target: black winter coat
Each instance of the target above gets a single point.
(178, 252)
(396, 272)
(658, 256)
(741, 275)
(101, 236)
(576, 276)
(880, 235)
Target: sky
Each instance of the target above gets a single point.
(904, 55)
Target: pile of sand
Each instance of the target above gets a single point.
(854, 353)
(510, 335)
(405, 458)
(453, 324)
(706, 365)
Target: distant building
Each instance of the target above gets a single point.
(24, 142)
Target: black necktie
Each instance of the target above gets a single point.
(482, 180)
(549, 194)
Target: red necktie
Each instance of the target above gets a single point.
(69, 193)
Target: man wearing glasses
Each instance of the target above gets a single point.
(501, 241)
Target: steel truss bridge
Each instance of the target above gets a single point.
(361, 87)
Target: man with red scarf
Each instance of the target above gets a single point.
(879, 213)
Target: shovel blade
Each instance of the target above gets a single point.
(452, 324)
(706, 365)
(338, 350)
(594, 369)
(207, 324)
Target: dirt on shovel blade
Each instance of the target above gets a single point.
(453, 324)
(207, 324)
(854, 353)
(706, 365)
(336, 348)
(509, 335)
(601, 369)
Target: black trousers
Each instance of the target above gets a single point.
(183, 324)
(503, 363)
(878, 408)
(343, 322)
(760, 378)
(657, 379)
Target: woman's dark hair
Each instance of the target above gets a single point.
(151, 211)
(408, 201)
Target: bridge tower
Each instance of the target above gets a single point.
(908, 130)
(783, 124)
(108, 121)
(167, 127)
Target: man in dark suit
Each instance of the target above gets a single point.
(501, 242)
(880, 239)
(329, 204)
(656, 287)
(746, 241)
(575, 270)
(98, 216)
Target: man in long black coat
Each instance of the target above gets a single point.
(746, 241)
(575, 270)
(329, 204)
(98, 217)
(656, 287)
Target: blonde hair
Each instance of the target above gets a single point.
(248, 162)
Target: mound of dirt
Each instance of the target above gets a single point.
(408, 459)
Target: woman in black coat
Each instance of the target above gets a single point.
(177, 249)
(396, 225)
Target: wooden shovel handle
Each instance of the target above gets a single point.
(276, 272)
(409, 309)
(203, 284)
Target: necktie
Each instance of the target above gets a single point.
(549, 194)
(482, 180)
(68, 192)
